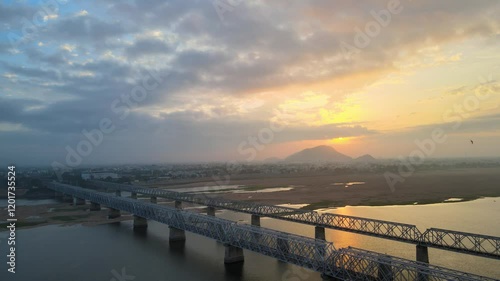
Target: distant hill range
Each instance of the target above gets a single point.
(365, 158)
(324, 153)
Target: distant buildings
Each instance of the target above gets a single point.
(99, 176)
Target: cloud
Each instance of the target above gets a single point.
(149, 46)
(81, 28)
(12, 14)
(94, 53)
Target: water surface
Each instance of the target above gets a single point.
(94, 253)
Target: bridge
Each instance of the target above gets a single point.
(315, 254)
(462, 242)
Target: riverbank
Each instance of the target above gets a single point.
(360, 189)
(58, 214)
(313, 191)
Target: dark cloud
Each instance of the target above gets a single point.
(80, 28)
(143, 47)
(12, 14)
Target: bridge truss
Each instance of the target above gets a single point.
(314, 254)
(469, 243)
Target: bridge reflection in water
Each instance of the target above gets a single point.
(315, 254)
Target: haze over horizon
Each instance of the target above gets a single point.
(277, 73)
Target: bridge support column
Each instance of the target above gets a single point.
(154, 200)
(255, 220)
(140, 222)
(319, 233)
(95, 206)
(113, 213)
(78, 201)
(385, 271)
(233, 254)
(178, 204)
(118, 193)
(422, 254)
(211, 211)
(176, 235)
(283, 245)
(133, 195)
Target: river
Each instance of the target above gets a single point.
(114, 252)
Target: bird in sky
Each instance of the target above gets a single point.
(471, 141)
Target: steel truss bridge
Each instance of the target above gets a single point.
(318, 255)
(462, 242)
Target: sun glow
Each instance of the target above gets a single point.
(341, 140)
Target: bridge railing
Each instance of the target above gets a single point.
(377, 265)
(462, 241)
(380, 228)
(470, 243)
(318, 255)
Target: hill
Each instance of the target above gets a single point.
(322, 153)
(365, 158)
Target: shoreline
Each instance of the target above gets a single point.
(429, 202)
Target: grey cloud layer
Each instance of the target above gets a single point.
(256, 47)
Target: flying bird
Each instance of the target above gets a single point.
(471, 141)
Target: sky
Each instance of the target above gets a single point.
(103, 82)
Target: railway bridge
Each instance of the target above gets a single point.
(315, 254)
(462, 242)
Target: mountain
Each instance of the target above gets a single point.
(365, 158)
(322, 153)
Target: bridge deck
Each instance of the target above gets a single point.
(317, 255)
(469, 243)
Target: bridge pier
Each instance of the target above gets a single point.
(95, 206)
(385, 271)
(118, 193)
(133, 195)
(176, 235)
(319, 233)
(78, 201)
(154, 199)
(233, 254)
(255, 220)
(422, 254)
(178, 204)
(140, 222)
(211, 211)
(113, 213)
